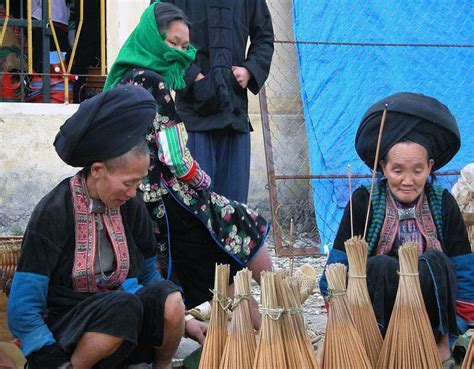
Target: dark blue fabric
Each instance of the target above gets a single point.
(464, 265)
(335, 256)
(131, 285)
(151, 273)
(26, 308)
(225, 157)
(340, 82)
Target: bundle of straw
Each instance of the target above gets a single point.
(271, 347)
(217, 331)
(291, 297)
(468, 362)
(358, 298)
(409, 342)
(239, 351)
(343, 346)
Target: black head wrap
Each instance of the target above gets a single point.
(106, 126)
(415, 117)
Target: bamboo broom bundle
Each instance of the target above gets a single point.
(239, 351)
(293, 292)
(468, 362)
(358, 298)
(409, 342)
(343, 346)
(217, 331)
(270, 348)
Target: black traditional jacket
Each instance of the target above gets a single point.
(220, 31)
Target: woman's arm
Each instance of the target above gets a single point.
(169, 133)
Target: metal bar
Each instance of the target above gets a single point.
(5, 23)
(58, 51)
(304, 251)
(46, 61)
(102, 37)
(22, 55)
(370, 44)
(272, 190)
(78, 34)
(22, 23)
(29, 38)
(344, 176)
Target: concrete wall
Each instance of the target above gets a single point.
(29, 165)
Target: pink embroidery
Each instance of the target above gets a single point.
(83, 272)
(424, 222)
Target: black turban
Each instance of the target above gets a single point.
(415, 117)
(106, 126)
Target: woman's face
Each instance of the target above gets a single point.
(407, 169)
(177, 35)
(116, 185)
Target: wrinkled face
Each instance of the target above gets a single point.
(177, 35)
(407, 169)
(115, 186)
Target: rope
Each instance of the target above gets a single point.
(273, 314)
(335, 293)
(407, 274)
(239, 297)
(357, 276)
(223, 301)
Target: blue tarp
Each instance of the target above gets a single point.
(339, 82)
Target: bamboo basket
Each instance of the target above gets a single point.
(358, 298)
(9, 255)
(409, 342)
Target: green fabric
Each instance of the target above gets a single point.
(146, 48)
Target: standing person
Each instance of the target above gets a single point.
(420, 135)
(87, 292)
(195, 227)
(214, 103)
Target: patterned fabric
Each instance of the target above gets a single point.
(83, 273)
(421, 229)
(379, 203)
(234, 227)
(167, 139)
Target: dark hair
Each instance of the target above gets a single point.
(432, 176)
(166, 13)
(140, 149)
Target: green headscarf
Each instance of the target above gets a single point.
(146, 48)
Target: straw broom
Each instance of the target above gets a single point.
(358, 298)
(292, 289)
(409, 342)
(270, 349)
(217, 331)
(343, 346)
(468, 362)
(239, 351)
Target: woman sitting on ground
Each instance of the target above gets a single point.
(420, 136)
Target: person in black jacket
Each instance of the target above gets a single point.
(214, 103)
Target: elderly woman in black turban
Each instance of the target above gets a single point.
(86, 292)
(420, 135)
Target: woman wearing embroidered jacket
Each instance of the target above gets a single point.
(196, 227)
(420, 136)
(86, 292)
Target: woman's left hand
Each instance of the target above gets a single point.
(196, 330)
(242, 75)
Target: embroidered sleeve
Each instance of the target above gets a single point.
(169, 133)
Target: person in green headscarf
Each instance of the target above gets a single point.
(194, 227)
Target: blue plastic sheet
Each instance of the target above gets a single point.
(339, 82)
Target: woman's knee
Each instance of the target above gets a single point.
(174, 307)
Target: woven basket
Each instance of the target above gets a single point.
(9, 256)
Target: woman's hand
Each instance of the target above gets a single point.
(196, 330)
(242, 75)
